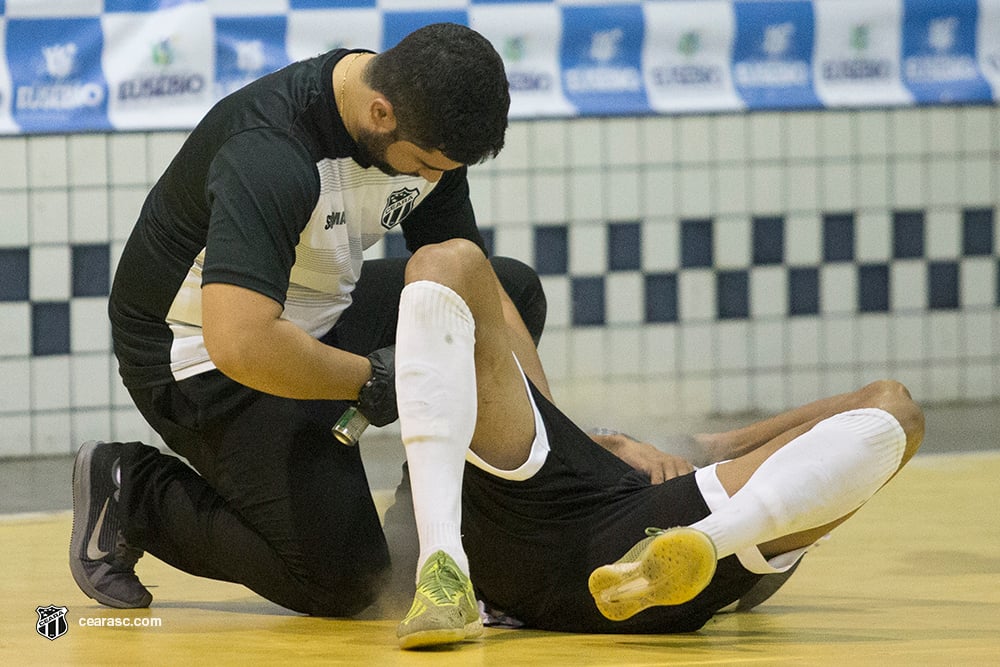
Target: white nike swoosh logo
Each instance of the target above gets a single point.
(94, 551)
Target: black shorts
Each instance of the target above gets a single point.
(532, 544)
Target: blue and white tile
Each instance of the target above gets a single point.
(770, 391)
(977, 336)
(803, 386)
(943, 131)
(623, 194)
(694, 140)
(731, 138)
(47, 167)
(90, 376)
(768, 189)
(48, 216)
(873, 338)
(548, 144)
(15, 396)
(975, 129)
(50, 383)
(50, 273)
(51, 434)
(873, 231)
(660, 192)
(732, 242)
(516, 149)
(803, 186)
(767, 136)
(16, 440)
(908, 285)
(976, 381)
(804, 349)
(872, 183)
(907, 132)
(623, 298)
(803, 244)
(839, 340)
(588, 352)
(801, 132)
(838, 288)
(696, 295)
(161, 147)
(549, 193)
(586, 143)
(127, 159)
(660, 247)
(978, 282)
(586, 199)
(768, 292)
(557, 295)
(944, 337)
(660, 350)
(14, 158)
(14, 232)
(511, 202)
(125, 204)
(942, 176)
(696, 351)
(696, 192)
(88, 215)
(15, 322)
(624, 353)
(837, 186)
(909, 183)
(837, 135)
(873, 131)
(733, 346)
(658, 143)
(975, 181)
(88, 160)
(623, 140)
(769, 351)
(732, 393)
(731, 187)
(945, 382)
(908, 336)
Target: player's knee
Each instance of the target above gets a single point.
(895, 398)
(449, 262)
(342, 595)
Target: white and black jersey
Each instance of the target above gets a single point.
(265, 194)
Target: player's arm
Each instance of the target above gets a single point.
(643, 456)
(249, 342)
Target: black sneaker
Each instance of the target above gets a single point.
(102, 563)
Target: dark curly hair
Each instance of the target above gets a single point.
(448, 89)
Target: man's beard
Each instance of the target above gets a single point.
(372, 148)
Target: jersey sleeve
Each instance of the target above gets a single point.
(262, 189)
(446, 214)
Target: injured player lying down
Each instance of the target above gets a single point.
(516, 505)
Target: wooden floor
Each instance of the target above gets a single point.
(913, 579)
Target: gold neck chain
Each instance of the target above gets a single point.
(343, 83)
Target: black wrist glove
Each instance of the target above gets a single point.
(377, 398)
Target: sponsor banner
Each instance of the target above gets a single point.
(247, 48)
(398, 25)
(772, 56)
(939, 52)
(56, 77)
(687, 55)
(315, 31)
(159, 71)
(857, 55)
(601, 56)
(7, 125)
(988, 43)
(528, 41)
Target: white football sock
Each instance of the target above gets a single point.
(436, 394)
(818, 477)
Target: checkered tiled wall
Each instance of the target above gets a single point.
(693, 265)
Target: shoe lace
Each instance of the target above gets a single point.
(440, 582)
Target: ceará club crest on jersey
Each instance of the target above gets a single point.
(398, 205)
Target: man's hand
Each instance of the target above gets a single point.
(377, 398)
(642, 456)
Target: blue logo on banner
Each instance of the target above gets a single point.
(247, 48)
(56, 79)
(772, 54)
(939, 52)
(602, 59)
(326, 4)
(142, 5)
(397, 25)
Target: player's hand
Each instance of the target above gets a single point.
(377, 398)
(642, 456)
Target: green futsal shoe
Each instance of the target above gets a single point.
(669, 567)
(444, 607)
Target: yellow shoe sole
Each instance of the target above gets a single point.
(671, 570)
(441, 636)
